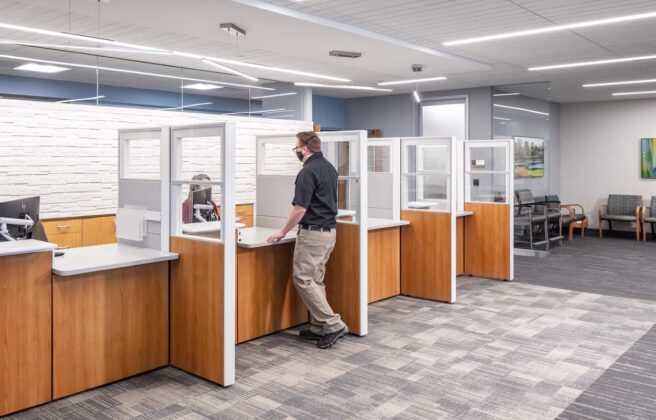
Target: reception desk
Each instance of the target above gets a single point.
(110, 315)
(25, 324)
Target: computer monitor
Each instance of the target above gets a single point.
(19, 209)
(203, 197)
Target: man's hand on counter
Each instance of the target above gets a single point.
(276, 236)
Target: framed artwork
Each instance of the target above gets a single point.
(648, 158)
(529, 157)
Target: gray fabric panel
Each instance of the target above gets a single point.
(619, 217)
(620, 204)
(653, 206)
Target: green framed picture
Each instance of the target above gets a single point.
(648, 158)
(529, 157)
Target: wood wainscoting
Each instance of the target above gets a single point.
(342, 278)
(109, 325)
(426, 255)
(267, 300)
(487, 240)
(25, 331)
(384, 263)
(197, 295)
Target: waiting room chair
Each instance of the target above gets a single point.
(649, 216)
(620, 208)
(535, 214)
(575, 218)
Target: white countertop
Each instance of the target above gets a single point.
(24, 247)
(374, 223)
(255, 237)
(90, 259)
(464, 213)
(205, 227)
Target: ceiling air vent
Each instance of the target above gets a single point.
(345, 54)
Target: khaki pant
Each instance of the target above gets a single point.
(311, 254)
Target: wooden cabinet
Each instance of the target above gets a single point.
(25, 331)
(81, 231)
(246, 212)
(98, 230)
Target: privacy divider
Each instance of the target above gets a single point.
(488, 195)
(203, 294)
(428, 243)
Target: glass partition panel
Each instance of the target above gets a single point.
(379, 158)
(522, 112)
(278, 158)
(197, 181)
(140, 153)
(487, 171)
(426, 174)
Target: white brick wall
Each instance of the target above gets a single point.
(68, 154)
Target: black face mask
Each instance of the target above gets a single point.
(300, 156)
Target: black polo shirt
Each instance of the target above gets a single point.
(316, 191)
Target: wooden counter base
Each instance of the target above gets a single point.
(426, 255)
(25, 331)
(487, 241)
(108, 325)
(267, 300)
(384, 263)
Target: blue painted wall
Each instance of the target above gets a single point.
(329, 112)
(32, 87)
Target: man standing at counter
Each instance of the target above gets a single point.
(314, 211)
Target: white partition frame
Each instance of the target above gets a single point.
(227, 131)
(150, 133)
(394, 143)
(508, 147)
(358, 153)
(452, 180)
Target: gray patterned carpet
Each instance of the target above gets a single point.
(504, 351)
(619, 267)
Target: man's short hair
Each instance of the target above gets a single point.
(310, 139)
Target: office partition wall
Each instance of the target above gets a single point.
(384, 172)
(346, 271)
(202, 208)
(488, 194)
(428, 244)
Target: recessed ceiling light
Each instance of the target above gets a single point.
(627, 82)
(80, 99)
(507, 94)
(594, 63)
(646, 92)
(201, 86)
(185, 106)
(275, 95)
(522, 109)
(415, 94)
(142, 73)
(403, 82)
(555, 28)
(347, 87)
(41, 68)
(230, 70)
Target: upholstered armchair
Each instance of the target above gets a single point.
(621, 208)
(649, 216)
(574, 218)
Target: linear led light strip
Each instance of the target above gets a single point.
(626, 82)
(594, 63)
(229, 70)
(178, 53)
(142, 73)
(507, 94)
(548, 29)
(348, 87)
(522, 109)
(502, 119)
(80, 47)
(185, 106)
(80, 99)
(264, 111)
(415, 94)
(409, 81)
(275, 95)
(645, 92)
